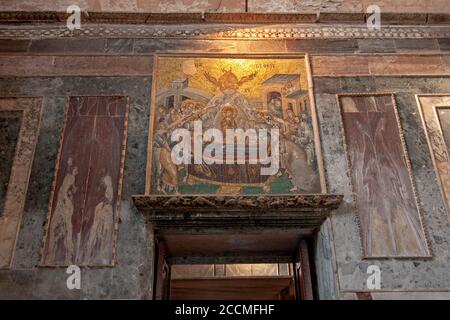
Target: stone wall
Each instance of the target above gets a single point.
(57, 67)
(257, 6)
(408, 274)
(131, 278)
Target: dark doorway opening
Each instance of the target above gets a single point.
(226, 278)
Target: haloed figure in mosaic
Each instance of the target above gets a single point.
(297, 151)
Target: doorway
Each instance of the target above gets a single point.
(268, 281)
(189, 279)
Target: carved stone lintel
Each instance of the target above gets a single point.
(181, 211)
(237, 202)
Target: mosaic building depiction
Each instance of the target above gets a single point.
(225, 150)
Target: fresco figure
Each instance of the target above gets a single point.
(80, 226)
(60, 234)
(101, 232)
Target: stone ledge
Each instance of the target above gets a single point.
(234, 211)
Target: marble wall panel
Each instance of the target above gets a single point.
(128, 5)
(83, 215)
(29, 66)
(295, 6)
(380, 65)
(435, 111)
(389, 216)
(263, 6)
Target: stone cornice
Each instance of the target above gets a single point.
(209, 210)
(284, 202)
(222, 31)
(235, 211)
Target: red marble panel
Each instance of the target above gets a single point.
(127, 5)
(389, 217)
(338, 65)
(32, 66)
(81, 227)
(382, 65)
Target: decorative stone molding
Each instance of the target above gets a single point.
(223, 31)
(183, 211)
(11, 217)
(237, 202)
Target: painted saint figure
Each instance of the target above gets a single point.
(60, 234)
(101, 232)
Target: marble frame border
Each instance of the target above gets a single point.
(11, 218)
(430, 148)
(113, 263)
(234, 30)
(435, 111)
(408, 166)
(315, 120)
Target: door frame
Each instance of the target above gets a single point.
(301, 267)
